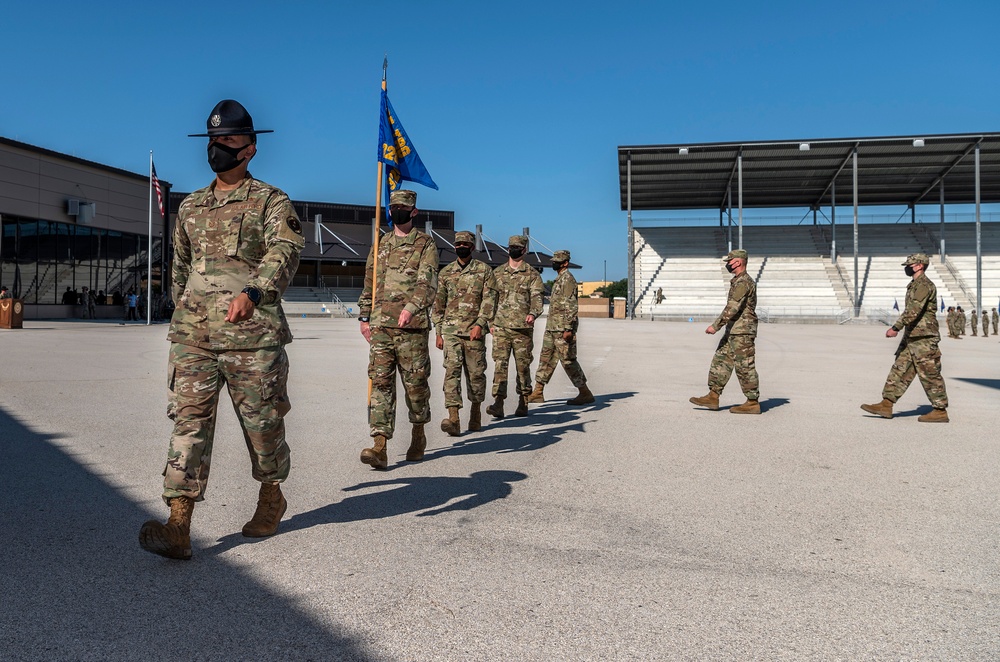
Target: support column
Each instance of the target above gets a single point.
(857, 303)
(979, 245)
(729, 221)
(833, 222)
(739, 167)
(631, 238)
(941, 233)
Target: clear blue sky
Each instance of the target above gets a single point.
(515, 108)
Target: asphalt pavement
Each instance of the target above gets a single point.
(636, 528)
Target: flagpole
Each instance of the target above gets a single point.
(149, 248)
(375, 238)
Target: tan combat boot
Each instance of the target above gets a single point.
(934, 416)
(710, 401)
(376, 455)
(522, 406)
(748, 407)
(883, 409)
(452, 425)
(496, 409)
(173, 539)
(271, 505)
(475, 416)
(538, 395)
(418, 442)
(584, 397)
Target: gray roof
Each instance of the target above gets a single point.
(891, 171)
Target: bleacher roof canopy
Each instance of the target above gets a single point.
(800, 173)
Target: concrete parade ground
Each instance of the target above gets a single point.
(636, 528)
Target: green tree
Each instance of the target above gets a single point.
(619, 288)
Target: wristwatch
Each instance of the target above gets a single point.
(253, 294)
(364, 319)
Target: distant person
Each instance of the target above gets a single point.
(5, 293)
(960, 322)
(236, 246)
(69, 297)
(918, 353)
(659, 295)
(996, 320)
(116, 298)
(102, 298)
(90, 303)
(559, 341)
(133, 306)
(974, 322)
(737, 349)
(986, 324)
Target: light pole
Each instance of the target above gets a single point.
(605, 274)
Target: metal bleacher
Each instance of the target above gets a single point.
(796, 278)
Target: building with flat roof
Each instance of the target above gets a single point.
(70, 223)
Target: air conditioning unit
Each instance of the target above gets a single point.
(73, 207)
(87, 212)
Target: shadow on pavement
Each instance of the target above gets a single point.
(423, 495)
(988, 383)
(75, 584)
(772, 403)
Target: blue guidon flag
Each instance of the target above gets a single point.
(402, 164)
(895, 305)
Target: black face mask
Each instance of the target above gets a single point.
(463, 251)
(558, 265)
(909, 270)
(222, 158)
(730, 268)
(515, 252)
(401, 217)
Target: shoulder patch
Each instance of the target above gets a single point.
(293, 224)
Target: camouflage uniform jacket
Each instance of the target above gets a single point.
(740, 314)
(407, 280)
(252, 238)
(520, 294)
(919, 318)
(563, 306)
(466, 297)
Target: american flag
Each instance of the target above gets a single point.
(159, 189)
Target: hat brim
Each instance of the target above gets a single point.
(229, 132)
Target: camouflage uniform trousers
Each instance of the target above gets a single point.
(464, 355)
(256, 380)
(405, 349)
(554, 350)
(735, 352)
(917, 357)
(505, 341)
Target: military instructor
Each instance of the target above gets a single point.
(236, 247)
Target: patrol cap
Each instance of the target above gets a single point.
(518, 240)
(738, 253)
(560, 256)
(403, 198)
(229, 118)
(464, 237)
(917, 258)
